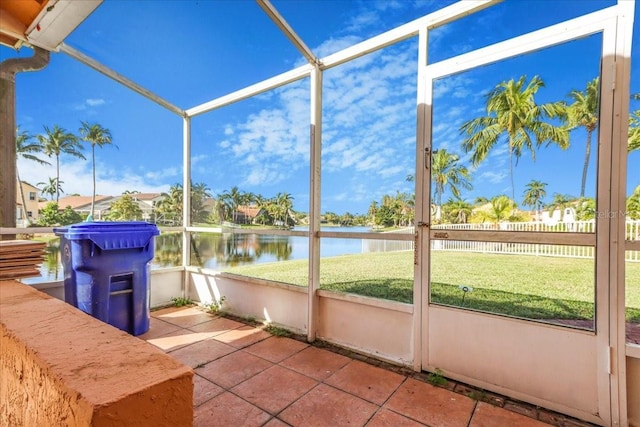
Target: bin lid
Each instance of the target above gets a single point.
(111, 235)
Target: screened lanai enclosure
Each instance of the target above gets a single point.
(459, 265)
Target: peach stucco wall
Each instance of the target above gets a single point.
(60, 366)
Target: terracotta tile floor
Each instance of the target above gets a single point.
(246, 377)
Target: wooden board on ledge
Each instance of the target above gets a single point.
(20, 258)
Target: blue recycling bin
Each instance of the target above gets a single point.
(106, 270)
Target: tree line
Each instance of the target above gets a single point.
(227, 207)
(53, 143)
(512, 117)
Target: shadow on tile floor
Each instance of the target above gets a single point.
(244, 376)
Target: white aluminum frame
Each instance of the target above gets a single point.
(613, 231)
(614, 24)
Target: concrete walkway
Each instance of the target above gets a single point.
(247, 377)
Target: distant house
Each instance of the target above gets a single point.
(82, 205)
(30, 213)
(567, 214)
(246, 214)
(147, 203)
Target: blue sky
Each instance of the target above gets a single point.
(189, 52)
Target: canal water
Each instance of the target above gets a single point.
(222, 250)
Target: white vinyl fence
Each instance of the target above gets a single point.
(633, 233)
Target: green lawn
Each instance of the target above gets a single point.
(517, 285)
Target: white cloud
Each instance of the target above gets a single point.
(369, 118)
(372, 15)
(273, 142)
(339, 197)
(162, 174)
(499, 150)
(262, 174)
(331, 46)
(94, 102)
(391, 171)
(370, 114)
(336, 147)
(499, 155)
(493, 177)
(199, 158)
(76, 177)
(456, 86)
(384, 5)
(363, 20)
(88, 104)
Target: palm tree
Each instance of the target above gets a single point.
(56, 142)
(459, 210)
(170, 207)
(223, 206)
(125, 209)
(27, 149)
(51, 188)
(199, 194)
(634, 127)
(405, 204)
(283, 205)
(447, 172)
(512, 112)
(501, 209)
(232, 199)
(585, 208)
(534, 194)
(246, 199)
(480, 200)
(95, 135)
(634, 131)
(262, 205)
(561, 202)
(583, 112)
(633, 204)
(373, 208)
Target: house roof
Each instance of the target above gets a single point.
(29, 185)
(43, 23)
(146, 196)
(76, 202)
(249, 211)
(80, 202)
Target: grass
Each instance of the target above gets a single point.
(437, 379)
(277, 332)
(181, 301)
(214, 307)
(535, 287)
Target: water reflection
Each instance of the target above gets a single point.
(220, 250)
(52, 261)
(232, 250)
(168, 250)
(168, 253)
(51, 267)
